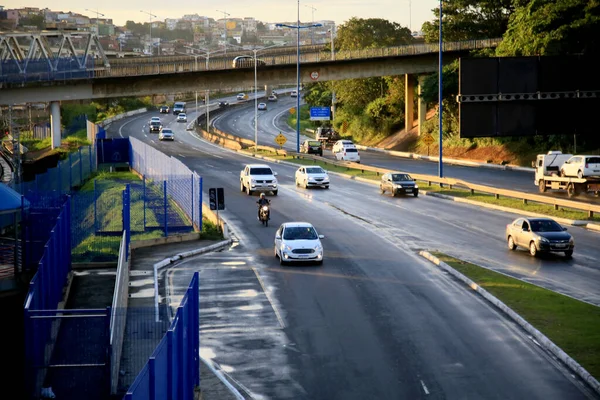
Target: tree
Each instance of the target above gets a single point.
(359, 33)
(470, 19)
(550, 27)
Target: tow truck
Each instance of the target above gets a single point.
(327, 136)
(547, 176)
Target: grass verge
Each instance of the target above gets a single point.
(305, 122)
(97, 246)
(571, 324)
(516, 204)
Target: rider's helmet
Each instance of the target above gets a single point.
(262, 195)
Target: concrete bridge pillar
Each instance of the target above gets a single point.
(409, 101)
(422, 106)
(55, 123)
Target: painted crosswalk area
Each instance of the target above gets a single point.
(241, 327)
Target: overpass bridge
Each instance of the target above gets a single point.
(99, 78)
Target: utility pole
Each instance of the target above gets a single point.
(410, 16)
(312, 32)
(225, 15)
(151, 44)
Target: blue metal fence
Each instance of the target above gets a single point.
(40, 70)
(173, 370)
(183, 185)
(45, 292)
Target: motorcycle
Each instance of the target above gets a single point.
(264, 214)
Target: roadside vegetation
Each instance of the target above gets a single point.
(571, 324)
(373, 108)
(516, 204)
(102, 247)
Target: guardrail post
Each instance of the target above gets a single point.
(450, 186)
(472, 192)
(525, 201)
(165, 207)
(590, 214)
(496, 196)
(556, 207)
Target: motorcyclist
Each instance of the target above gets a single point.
(262, 201)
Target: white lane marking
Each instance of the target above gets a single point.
(275, 310)
(289, 176)
(275, 119)
(145, 135)
(131, 120)
(214, 155)
(424, 387)
(181, 155)
(208, 165)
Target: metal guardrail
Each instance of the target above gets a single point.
(170, 65)
(451, 182)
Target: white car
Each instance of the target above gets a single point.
(181, 117)
(166, 134)
(272, 98)
(342, 144)
(262, 106)
(581, 166)
(258, 178)
(241, 96)
(294, 93)
(312, 177)
(298, 242)
(348, 154)
(154, 119)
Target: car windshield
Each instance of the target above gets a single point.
(593, 160)
(181, 114)
(300, 233)
(314, 143)
(155, 123)
(401, 177)
(315, 170)
(544, 225)
(261, 171)
(167, 131)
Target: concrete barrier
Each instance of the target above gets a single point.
(542, 339)
(110, 120)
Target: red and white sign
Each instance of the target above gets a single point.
(314, 75)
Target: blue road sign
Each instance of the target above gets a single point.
(320, 113)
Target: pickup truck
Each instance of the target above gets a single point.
(326, 135)
(258, 178)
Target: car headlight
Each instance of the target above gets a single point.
(286, 247)
(571, 241)
(416, 186)
(318, 247)
(544, 240)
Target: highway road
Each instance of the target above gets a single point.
(376, 320)
(239, 121)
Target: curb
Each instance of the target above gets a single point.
(464, 163)
(539, 336)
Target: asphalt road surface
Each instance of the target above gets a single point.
(375, 321)
(240, 122)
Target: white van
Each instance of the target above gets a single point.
(342, 144)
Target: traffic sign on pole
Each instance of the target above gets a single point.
(280, 139)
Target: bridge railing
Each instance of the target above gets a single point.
(178, 64)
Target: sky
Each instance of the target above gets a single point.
(404, 12)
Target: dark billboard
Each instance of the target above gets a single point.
(525, 96)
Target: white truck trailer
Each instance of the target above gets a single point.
(547, 176)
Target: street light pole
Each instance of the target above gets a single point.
(150, 15)
(225, 15)
(440, 80)
(298, 27)
(207, 100)
(255, 104)
(332, 31)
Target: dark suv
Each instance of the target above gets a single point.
(312, 147)
(155, 126)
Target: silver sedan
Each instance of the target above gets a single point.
(539, 235)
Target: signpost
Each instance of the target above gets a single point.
(320, 113)
(292, 110)
(428, 140)
(280, 140)
(314, 75)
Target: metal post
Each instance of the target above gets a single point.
(298, 83)
(165, 207)
(144, 198)
(255, 106)
(207, 111)
(80, 168)
(90, 155)
(95, 208)
(440, 80)
(70, 172)
(196, 101)
(192, 195)
(200, 203)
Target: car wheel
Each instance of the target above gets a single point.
(416, 194)
(275, 252)
(532, 249)
(281, 262)
(248, 191)
(511, 243)
(580, 174)
(327, 187)
(381, 189)
(569, 253)
(297, 184)
(305, 184)
(242, 188)
(274, 192)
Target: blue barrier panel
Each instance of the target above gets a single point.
(173, 369)
(39, 70)
(112, 150)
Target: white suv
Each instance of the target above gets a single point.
(581, 166)
(258, 178)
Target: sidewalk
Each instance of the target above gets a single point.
(143, 332)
